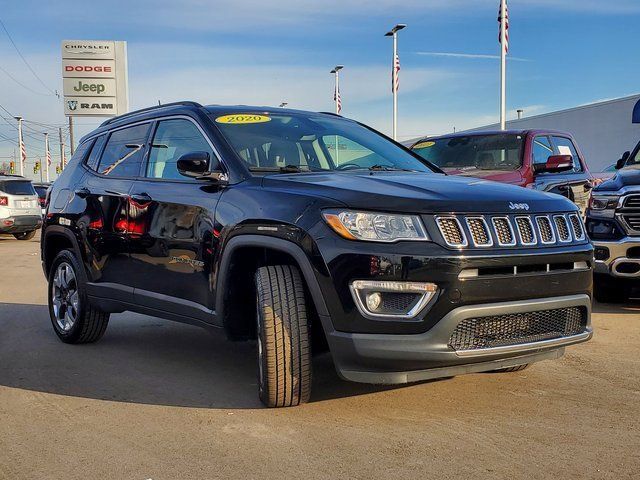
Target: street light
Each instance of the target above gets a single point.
(283, 104)
(336, 92)
(395, 66)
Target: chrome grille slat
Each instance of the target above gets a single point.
(577, 226)
(562, 228)
(503, 231)
(632, 201)
(547, 236)
(526, 231)
(479, 230)
(452, 232)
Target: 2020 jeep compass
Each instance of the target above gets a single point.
(307, 230)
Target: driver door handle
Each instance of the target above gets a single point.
(141, 197)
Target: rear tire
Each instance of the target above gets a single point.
(25, 235)
(284, 346)
(517, 368)
(73, 318)
(607, 289)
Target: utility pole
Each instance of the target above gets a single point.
(47, 156)
(71, 145)
(395, 66)
(61, 147)
(21, 146)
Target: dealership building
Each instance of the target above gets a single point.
(603, 130)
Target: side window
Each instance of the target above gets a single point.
(542, 149)
(172, 139)
(564, 146)
(123, 154)
(81, 152)
(94, 156)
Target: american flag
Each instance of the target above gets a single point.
(395, 74)
(337, 99)
(506, 26)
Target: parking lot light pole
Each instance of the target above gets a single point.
(394, 74)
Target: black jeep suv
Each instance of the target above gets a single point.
(307, 230)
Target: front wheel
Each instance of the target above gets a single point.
(284, 346)
(25, 235)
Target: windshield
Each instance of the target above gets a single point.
(311, 142)
(471, 153)
(17, 187)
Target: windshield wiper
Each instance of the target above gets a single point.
(386, 168)
(285, 169)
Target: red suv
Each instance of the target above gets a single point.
(544, 160)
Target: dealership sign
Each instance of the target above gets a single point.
(95, 78)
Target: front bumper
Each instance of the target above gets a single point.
(392, 359)
(20, 224)
(618, 254)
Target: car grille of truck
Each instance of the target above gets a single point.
(632, 201)
(633, 221)
(476, 231)
(518, 328)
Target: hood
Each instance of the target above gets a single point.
(513, 176)
(419, 193)
(623, 178)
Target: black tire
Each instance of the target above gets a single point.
(517, 368)
(90, 323)
(607, 289)
(284, 346)
(25, 235)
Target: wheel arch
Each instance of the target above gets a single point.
(56, 239)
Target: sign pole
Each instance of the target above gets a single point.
(71, 146)
(61, 147)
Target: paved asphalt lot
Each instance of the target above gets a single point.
(160, 400)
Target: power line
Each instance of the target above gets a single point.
(25, 60)
(22, 84)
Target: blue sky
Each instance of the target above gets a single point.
(564, 53)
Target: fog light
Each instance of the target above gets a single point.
(391, 299)
(374, 300)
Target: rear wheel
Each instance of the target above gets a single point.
(607, 289)
(284, 346)
(25, 235)
(73, 318)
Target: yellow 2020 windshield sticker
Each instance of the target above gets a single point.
(424, 145)
(243, 118)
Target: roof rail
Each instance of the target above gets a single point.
(142, 110)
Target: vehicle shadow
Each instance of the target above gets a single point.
(629, 307)
(145, 360)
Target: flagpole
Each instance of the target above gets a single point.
(337, 90)
(47, 155)
(503, 65)
(20, 145)
(394, 75)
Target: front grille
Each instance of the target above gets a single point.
(525, 231)
(479, 232)
(632, 201)
(518, 328)
(451, 231)
(576, 225)
(504, 232)
(546, 230)
(633, 221)
(562, 227)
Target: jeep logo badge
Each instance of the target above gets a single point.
(518, 206)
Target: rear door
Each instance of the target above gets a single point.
(115, 160)
(574, 184)
(171, 218)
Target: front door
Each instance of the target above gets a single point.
(171, 219)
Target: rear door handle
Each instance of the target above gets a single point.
(83, 192)
(141, 197)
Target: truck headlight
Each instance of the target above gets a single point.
(603, 202)
(375, 227)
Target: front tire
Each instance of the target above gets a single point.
(73, 318)
(25, 235)
(284, 346)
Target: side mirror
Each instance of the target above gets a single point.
(196, 165)
(555, 164)
(623, 160)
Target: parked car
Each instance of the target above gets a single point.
(544, 160)
(19, 209)
(613, 223)
(271, 224)
(41, 190)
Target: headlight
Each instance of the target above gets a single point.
(599, 202)
(375, 227)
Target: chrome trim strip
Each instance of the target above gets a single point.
(524, 347)
(618, 261)
(426, 299)
(533, 230)
(495, 230)
(553, 232)
(566, 223)
(486, 228)
(582, 226)
(462, 232)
